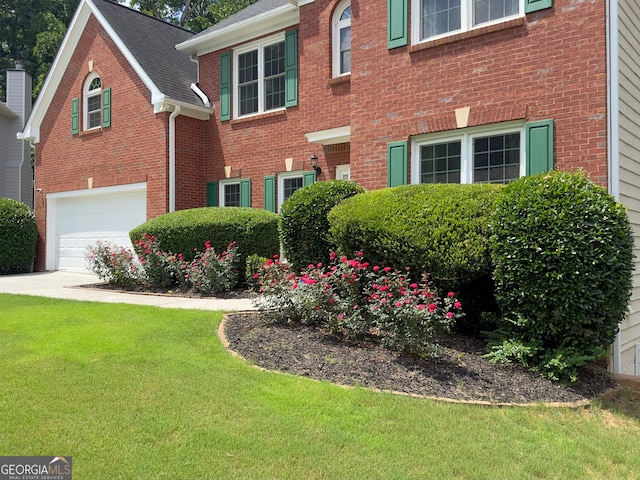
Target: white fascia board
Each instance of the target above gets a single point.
(273, 21)
(331, 136)
(162, 103)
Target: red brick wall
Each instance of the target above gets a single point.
(134, 149)
(552, 65)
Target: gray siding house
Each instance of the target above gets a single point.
(16, 173)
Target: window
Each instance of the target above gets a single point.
(287, 184)
(92, 102)
(343, 172)
(260, 77)
(342, 39)
(230, 194)
(438, 18)
(478, 155)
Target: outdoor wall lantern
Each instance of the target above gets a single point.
(314, 164)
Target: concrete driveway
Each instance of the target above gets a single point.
(66, 285)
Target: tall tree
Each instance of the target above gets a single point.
(194, 15)
(31, 32)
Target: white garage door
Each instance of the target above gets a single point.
(83, 219)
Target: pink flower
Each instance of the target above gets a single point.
(359, 254)
(450, 294)
(413, 286)
(432, 307)
(332, 256)
(319, 265)
(387, 269)
(256, 276)
(398, 304)
(376, 268)
(341, 316)
(449, 314)
(457, 305)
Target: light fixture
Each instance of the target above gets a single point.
(314, 164)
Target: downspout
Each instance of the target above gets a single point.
(172, 158)
(613, 133)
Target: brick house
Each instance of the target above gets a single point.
(382, 92)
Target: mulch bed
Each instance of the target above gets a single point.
(460, 373)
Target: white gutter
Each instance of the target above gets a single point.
(172, 158)
(613, 134)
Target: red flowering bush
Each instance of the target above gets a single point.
(358, 300)
(114, 264)
(151, 267)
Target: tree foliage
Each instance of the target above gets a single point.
(194, 15)
(31, 31)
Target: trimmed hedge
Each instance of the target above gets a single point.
(303, 220)
(186, 231)
(562, 249)
(440, 229)
(18, 236)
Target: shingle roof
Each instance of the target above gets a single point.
(254, 10)
(152, 42)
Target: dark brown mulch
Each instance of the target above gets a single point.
(460, 373)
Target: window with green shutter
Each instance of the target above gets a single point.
(106, 107)
(270, 193)
(539, 139)
(291, 68)
(397, 20)
(535, 5)
(245, 192)
(397, 163)
(308, 178)
(212, 194)
(225, 87)
(75, 116)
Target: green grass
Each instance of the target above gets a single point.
(147, 393)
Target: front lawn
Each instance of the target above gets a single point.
(140, 392)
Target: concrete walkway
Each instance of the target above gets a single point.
(66, 285)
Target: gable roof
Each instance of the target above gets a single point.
(147, 43)
(258, 19)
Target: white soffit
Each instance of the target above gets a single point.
(331, 136)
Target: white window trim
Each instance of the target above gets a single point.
(281, 178)
(466, 20)
(336, 25)
(466, 136)
(221, 185)
(86, 94)
(343, 170)
(248, 48)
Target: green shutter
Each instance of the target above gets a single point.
(539, 138)
(245, 192)
(106, 107)
(75, 117)
(212, 194)
(397, 19)
(308, 178)
(397, 163)
(291, 68)
(270, 193)
(225, 87)
(535, 5)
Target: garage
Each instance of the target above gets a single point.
(78, 219)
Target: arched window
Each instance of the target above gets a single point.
(92, 102)
(342, 39)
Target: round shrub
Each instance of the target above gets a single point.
(18, 235)
(186, 231)
(303, 220)
(562, 250)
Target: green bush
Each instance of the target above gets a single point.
(254, 230)
(253, 269)
(18, 235)
(439, 229)
(303, 221)
(562, 250)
